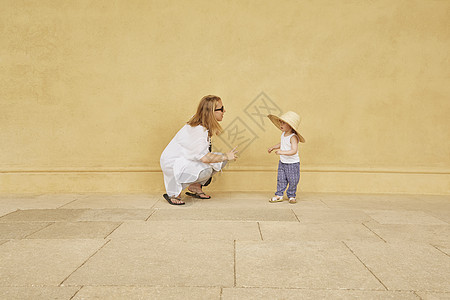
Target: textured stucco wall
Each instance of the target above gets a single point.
(92, 91)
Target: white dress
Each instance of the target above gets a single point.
(180, 160)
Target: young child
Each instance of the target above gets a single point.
(289, 164)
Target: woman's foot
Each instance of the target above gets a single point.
(292, 200)
(174, 200)
(177, 200)
(196, 190)
(276, 199)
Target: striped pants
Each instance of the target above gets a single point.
(288, 174)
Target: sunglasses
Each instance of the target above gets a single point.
(220, 109)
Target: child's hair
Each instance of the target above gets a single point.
(205, 115)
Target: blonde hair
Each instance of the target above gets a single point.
(205, 115)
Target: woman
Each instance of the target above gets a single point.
(187, 160)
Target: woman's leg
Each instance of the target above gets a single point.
(196, 186)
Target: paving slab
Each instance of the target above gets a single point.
(75, 230)
(230, 214)
(244, 200)
(37, 293)
(443, 215)
(433, 296)
(406, 266)
(435, 203)
(114, 215)
(331, 216)
(17, 196)
(403, 217)
(433, 234)
(301, 204)
(301, 265)
(307, 204)
(43, 262)
(289, 231)
(20, 230)
(125, 201)
(130, 293)
(220, 200)
(46, 201)
(3, 242)
(241, 199)
(188, 230)
(368, 201)
(295, 294)
(44, 215)
(159, 263)
(72, 215)
(235, 202)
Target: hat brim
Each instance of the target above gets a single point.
(277, 120)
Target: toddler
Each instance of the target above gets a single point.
(289, 164)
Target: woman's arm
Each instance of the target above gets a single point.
(215, 158)
(294, 147)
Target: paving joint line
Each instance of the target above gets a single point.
(365, 266)
(241, 287)
(135, 286)
(154, 204)
(330, 289)
(9, 214)
(76, 292)
(48, 225)
(234, 265)
(374, 232)
(67, 203)
(324, 203)
(295, 215)
(150, 215)
(260, 233)
(436, 216)
(62, 282)
(414, 292)
(113, 231)
(440, 250)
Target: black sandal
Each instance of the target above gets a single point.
(169, 199)
(197, 195)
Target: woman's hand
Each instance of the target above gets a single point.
(232, 154)
(270, 149)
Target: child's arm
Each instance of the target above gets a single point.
(277, 146)
(294, 147)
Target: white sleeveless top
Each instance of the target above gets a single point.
(285, 145)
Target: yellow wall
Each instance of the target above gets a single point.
(92, 91)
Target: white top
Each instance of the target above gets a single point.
(285, 145)
(180, 160)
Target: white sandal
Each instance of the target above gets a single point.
(276, 199)
(292, 200)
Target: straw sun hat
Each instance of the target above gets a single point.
(290, 118)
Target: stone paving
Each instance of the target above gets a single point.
(233, 246)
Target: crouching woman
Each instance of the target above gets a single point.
(187, 161)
